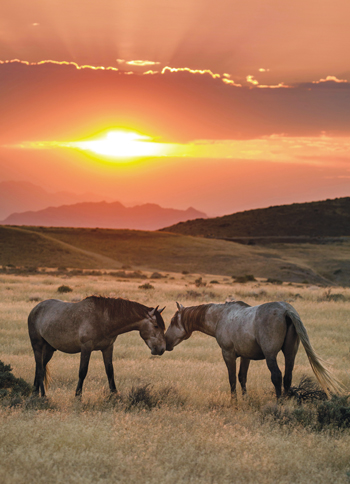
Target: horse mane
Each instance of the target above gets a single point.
(240, 303)
(194, 315)
(123, 308)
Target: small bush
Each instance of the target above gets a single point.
(271, 280)
(156, 275)
(63, 289)
(307, 391)
(244, 279)
(147, 285)
(141, 397)
(214, 282)
(199, 282)
(145, 397)
(12, 389)
(334, 413)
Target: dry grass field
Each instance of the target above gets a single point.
(172, 421)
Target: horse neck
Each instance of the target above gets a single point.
(129, 321)
(197, 319)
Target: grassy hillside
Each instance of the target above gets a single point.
(328, 218)
(113, 249)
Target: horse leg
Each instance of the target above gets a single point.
(39, 371)
(289, 348)
(276, 375)
(242, 375)
(230, 360)
(84, 365)
(108, 361)
(48, 351)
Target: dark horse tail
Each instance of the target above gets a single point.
(328, 382)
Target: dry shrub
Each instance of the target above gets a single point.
(307, 391)
(62, 289)
(12, 389)
(336, 297)
(145, 397)
(317, 414)
(191, 294)
(334, 413)
(156, 275)
(244, 279)
(147, 285)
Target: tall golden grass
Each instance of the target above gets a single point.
(192, 433)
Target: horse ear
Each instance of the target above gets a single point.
(179, 306)
(161, 310)
(152, 311)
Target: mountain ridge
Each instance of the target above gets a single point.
(114, 215)
(20, 196)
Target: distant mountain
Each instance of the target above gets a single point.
(328, 218)
(19, 196)
(104, 215)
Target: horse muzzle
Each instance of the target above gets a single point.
(157, 351)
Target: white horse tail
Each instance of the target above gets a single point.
(329, 383)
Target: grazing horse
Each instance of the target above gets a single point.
(252, 333)
(89, 325)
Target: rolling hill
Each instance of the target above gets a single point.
(111, 249)
(328, 218)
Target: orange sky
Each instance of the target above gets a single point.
(250, 102)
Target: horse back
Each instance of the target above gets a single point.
(60, 324)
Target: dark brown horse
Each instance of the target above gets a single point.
(89, 325)
(252, 333)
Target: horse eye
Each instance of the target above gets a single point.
(156, 325)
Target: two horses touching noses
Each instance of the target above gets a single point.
(249, 332)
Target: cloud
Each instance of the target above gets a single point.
(330, 79)
(142, 63)
(59, 63)
(251, 80)
(190, 71)
(58, 100)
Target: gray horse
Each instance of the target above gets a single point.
(89, 325)
(252, 333)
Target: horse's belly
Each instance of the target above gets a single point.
(251, 351)
(72, 346)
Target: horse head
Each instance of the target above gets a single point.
(176, 331)
(152, 329)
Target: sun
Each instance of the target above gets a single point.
(121, 144)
